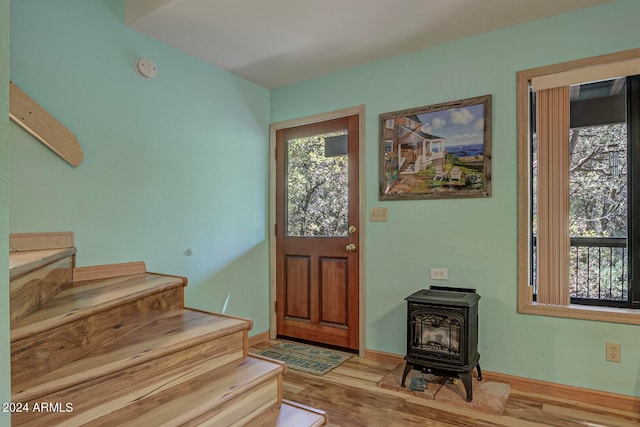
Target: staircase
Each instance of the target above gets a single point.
(115, 346)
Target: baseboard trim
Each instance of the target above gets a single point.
(81, 274)
(592, 397)
(381, 356)
(259, 338)
(584, 395)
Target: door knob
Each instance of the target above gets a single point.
(351, 247)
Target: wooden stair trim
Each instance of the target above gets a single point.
(528, 385)
(119, 358)
(96, 272)
(25, 262)
(37, 241)
(131, 291)
(43, 126)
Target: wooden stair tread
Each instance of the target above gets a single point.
(85, 298)
(23, 262)
(175, 398)
(289, 414)
(163, 336)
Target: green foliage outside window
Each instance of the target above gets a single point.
(317, 189)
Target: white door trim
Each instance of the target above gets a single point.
(273, 128)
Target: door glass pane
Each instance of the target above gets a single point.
(317, 185)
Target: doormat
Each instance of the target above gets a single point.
(306, 358)
(488, 396)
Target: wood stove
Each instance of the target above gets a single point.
(442, 334)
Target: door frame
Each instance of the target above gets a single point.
(273, 128)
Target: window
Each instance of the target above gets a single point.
(578, 159)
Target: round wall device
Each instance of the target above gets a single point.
(146, 68)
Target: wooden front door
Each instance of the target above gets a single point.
(317, 232)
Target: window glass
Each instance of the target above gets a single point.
(317, 185)
(598, 192)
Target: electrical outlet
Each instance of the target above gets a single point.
(612, 352)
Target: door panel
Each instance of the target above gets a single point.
(298, 287)
(333, 289)
(317, 232)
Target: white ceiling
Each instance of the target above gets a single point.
(279, 42)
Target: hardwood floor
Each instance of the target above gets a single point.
(350, 397)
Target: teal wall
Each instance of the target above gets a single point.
(475, 238)
(172, 163)
(5, 354)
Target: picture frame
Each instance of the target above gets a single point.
(440, 151)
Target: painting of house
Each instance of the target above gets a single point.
(437, 151)
(415, 149)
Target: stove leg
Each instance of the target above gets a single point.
(407, 368)
(466, 380)
(479, 372)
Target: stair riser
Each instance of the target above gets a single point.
(31, 291)
(228, 396)
(237, 410)
(97, 403)
(46, 351)
(240, 410)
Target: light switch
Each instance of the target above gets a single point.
(378, 215)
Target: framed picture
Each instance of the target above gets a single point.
(439, 151)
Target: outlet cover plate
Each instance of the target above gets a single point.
(378, 214)
(439, 274)
(612, 352)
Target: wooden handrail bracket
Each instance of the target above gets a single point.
(43, 126)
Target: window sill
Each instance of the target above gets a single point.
(582, 312)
